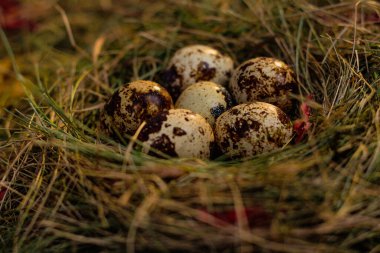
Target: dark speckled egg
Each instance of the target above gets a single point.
(264, 79)
(250, 129)
(205, 98)
(196, 63)
(133, 103)
(178, 133)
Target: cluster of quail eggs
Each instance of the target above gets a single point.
(240, 112)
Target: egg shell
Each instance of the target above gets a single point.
(264, 79)
(250, 129)
(196, 63)
(132, 104)
(178, 133)
(205, 98)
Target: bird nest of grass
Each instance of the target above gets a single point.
(65, 187)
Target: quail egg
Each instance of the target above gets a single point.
(264, 79)
(196, 63)
(251, 129)
(178, 133)
(132, 104)
(205, 98)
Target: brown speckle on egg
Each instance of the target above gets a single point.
(178, 131)
(203, 72)
(264, 79)
(185, 134)
(132, 104)
(164, 144)
(250, 129)
(217, 110)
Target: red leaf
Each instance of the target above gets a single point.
(12, 19)
(2, 193)
(256, 216)
(302, 125)
(7, 4)
(372, 17)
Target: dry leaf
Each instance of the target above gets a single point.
(10, 89)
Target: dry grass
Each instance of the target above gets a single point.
(69, 189)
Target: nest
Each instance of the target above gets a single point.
(67, 188)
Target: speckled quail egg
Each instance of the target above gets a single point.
(251, 129)
(264, 79)
(132, 104)
(205, 98)
(178, 133)
(196, 63)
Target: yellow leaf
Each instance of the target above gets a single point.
(11, 90)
